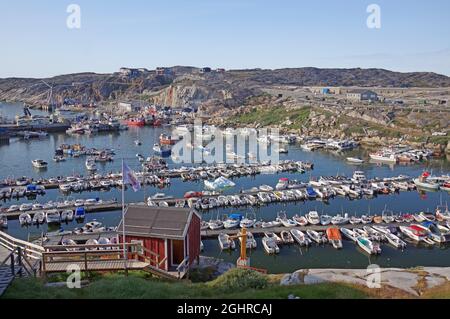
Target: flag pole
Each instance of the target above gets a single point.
(123, 220)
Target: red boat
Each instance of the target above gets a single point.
(165, 139)
(135, 122)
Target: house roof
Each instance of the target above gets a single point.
(159, 222)
(361, 91)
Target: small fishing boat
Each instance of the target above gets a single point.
(273, 236)
(271, 224)
(226, 242)
(286, 237)
(355, 220)
(325, 219)
(80, 213)
(350, 234)
(316, 236)
(39, 218)
(300, 220)
(423, 181)
(25, 219)
(434, 232)
(162, 150)
(377, 219)
(368, 246)
(67, 215)
(38, 163)
(90, 165)
(334, 237)
(427, 217)
(248, 221)
(232, 221)
(339, 219)
(286, 222)
(300, 237)
(442, 214)
(417, 233)
(3, 221)
(52, 217)
(355, 160)
(215, 224)
(67, 243)
(313, 217)
(270, 245)
(135, 122)
(395, 240)
(250, 242)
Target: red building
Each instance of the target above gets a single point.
(169, 236)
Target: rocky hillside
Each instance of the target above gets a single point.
(181, 86)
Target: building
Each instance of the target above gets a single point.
(129, 72)
(362, 95)
(205, 70)
(169, 235)
(129, 107)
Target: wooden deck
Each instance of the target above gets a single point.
(97, 265)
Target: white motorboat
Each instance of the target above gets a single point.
(215, 224)
(395, 241)
(339, 219)
(53, 217)
(300, 237)
(325, 219)
(250, 242)
(300, 220)
(39, 218)
(417, 233)
(286, 237)
(25, 207)
(273, 236)
(248, 221)
(226, 242)
(286, 222)
(355, 160)
(271, 224)
(355, 220)
(67, 215)
(368, 246)
(350, 234)
(270, 245)
(3, 221)
(313, 217)
(316, 236)
(38, 163)
(424, 181)
(25, 219)
(90, 165)
(384, 157)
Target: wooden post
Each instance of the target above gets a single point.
(19, 255)
(13, 272)
(86, 265)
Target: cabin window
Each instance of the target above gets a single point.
(139, 249)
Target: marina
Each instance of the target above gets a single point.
(325, 169)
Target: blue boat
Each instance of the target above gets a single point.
(163, 151)
(80, 213)
(311, 192)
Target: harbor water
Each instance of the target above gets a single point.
(16, 157)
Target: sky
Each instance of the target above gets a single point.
(35, 41)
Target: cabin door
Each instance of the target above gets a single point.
(177, 251)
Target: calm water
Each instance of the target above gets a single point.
(15, 160)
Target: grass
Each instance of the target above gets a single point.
(139, 286)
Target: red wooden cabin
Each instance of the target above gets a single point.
(168, 235)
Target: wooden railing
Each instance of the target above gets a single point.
(18, 262)
(183, 267)
(28, 249)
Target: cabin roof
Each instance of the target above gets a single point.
(156, 222)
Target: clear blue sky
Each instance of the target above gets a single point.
(35, 42)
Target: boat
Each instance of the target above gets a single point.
(313, 217)
(226, 242)
(58, 159)
(300, 220)
(435, 232)
(423, 181)
(286, 237)
(355, 160)
(282, 184)
(135, 122)
(165, 139)
(38, 163)
(381, 229)
(395, 240)
(339, 219)
(271, 224)
(3, 221)
(427, 216)
(286, 222)
(417, 233)
(310, 192)
(300, 237)
(52, 217)
(215, 224)
(248, 221)
(445, 186)
(334, 237)
(442, 214)
(273, 236)
(90, 164)
(350, 234)
(383, 157)
(359, 177)
(355, 220)
(270, 245)
(80, 213)
(368, 246)
(39, 218)
(67, 215)
(316, 236)
(250, 242)
(232, 221)
(25, 219)
(68, 242)
(162, 150)
(325, 219)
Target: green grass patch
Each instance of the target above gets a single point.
(242, 284)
